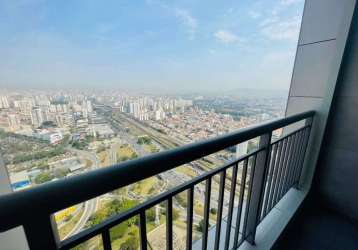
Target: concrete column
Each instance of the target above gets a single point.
(322, 40)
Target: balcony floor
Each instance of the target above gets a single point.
(318, 228)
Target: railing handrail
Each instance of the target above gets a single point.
(112, 221)
(19, 207)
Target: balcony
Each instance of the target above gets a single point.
(298, 191)
(255, 183)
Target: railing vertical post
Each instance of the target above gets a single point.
(41, 233)
(189, 226)
(106, 240)
(206, 214)
(169, 218)
(308, 122)
(258, 186)
(143, 230)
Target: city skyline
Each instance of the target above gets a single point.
(232, 93)
(48, 136)
(149, 45)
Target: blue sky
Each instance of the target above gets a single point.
(150, 44)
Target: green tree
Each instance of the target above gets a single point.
(48, 124)
(131, 243)
(79, 145)
(176, 214)
(101, 148)
(144, 140)
(43, 177)
(200, 226)
(123, 158)
(65, 140)
(150, 213)
(181, 199)
(39, 155)
(3, 134)
(134, 155)
(114, 207)
(213, 210)
(118, 231)
(60, 173)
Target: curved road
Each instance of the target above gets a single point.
(90, 206)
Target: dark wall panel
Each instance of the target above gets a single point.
(336, 180)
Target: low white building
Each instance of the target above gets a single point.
(52, 137)
(102, 130)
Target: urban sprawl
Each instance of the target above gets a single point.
(47, 136)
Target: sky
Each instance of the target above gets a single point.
(181, 45)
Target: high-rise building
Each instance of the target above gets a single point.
(13, 121)
(134, 109)
(4, 103)
(241, 149)
(112, 153)
(24, 106)
(52, 108)
(158, 116)
(84, 112)
(89, 106)
(36, 117)
(64, 108)
(64, 120)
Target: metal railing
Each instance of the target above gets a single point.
(266, 174)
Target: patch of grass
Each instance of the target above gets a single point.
(94, 243)
(125, 151)
(65, 213)
(198, 208)
(103, 158)
(150, 148)
(145, 187)
(88, 163)
(132, 231)
(64, 230)
(206, 164)
(181, 198)
(186, 170)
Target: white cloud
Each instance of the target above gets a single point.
(184, 16)
(254, 14)
(278, 23)
(277, 29)
(290, 2)
(188, 20)
(226, 36)
(269, 21)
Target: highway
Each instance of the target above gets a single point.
(173, 177)
(200, 166)
(167, 141)
(130, 139)
(89, 206)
